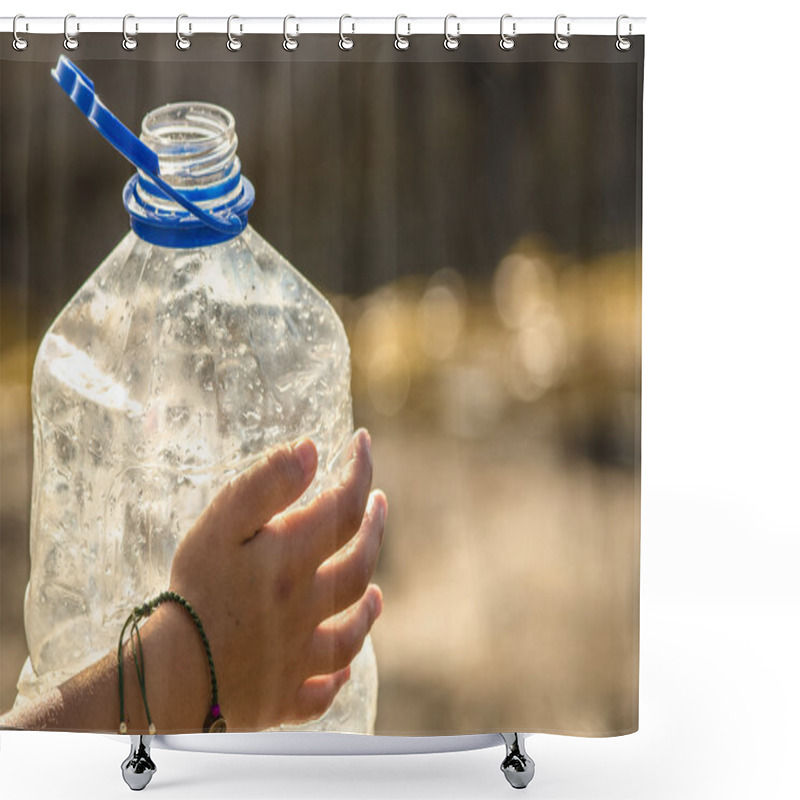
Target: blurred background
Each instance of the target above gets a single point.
(476, 224)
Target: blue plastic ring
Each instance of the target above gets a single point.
(180, 228)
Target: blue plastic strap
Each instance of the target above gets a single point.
(81, 91)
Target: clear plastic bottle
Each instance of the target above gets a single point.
(171, 369)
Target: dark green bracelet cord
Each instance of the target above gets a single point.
(214, 722)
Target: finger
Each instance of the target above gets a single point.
(253, 497)
(341, 581)
(316, 694)
(318, 530)
(336, 643)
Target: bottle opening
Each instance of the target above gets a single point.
(195, 143)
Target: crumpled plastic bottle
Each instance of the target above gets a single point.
(189, 352)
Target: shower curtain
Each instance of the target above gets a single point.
(473, 217)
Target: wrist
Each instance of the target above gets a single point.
(177, 676)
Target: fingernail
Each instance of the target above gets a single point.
(376, 507)
(377, 605)
(367, 444)
(361, 440)
(306, 454)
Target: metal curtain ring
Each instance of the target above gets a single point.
(70, 42)
(623, 44)
(345, 42)
(233, 44)
(401, 42)
(181, 42)
(289, 42)
(19, 43)
(129, 42)
(450, 41)
(561, 42)
(507, 42)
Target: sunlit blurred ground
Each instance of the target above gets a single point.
(504, 417)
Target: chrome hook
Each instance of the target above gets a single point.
(129, 42)
(450, 41)
(561, 42)
(290, 43)
(507, 41)
(70, 42)
(234, 43)
(181, 42)
(19, 43)
(401, 42)
(623, 43)
(345, 42)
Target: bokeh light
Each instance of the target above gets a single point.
(520, 283)
(441, 313)
(537, 354)
(388, 379)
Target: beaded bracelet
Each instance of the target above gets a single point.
(214, 721)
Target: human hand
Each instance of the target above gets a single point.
(267, 586)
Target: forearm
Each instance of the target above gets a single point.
(176, 680)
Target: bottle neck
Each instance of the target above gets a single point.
(196, 148)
